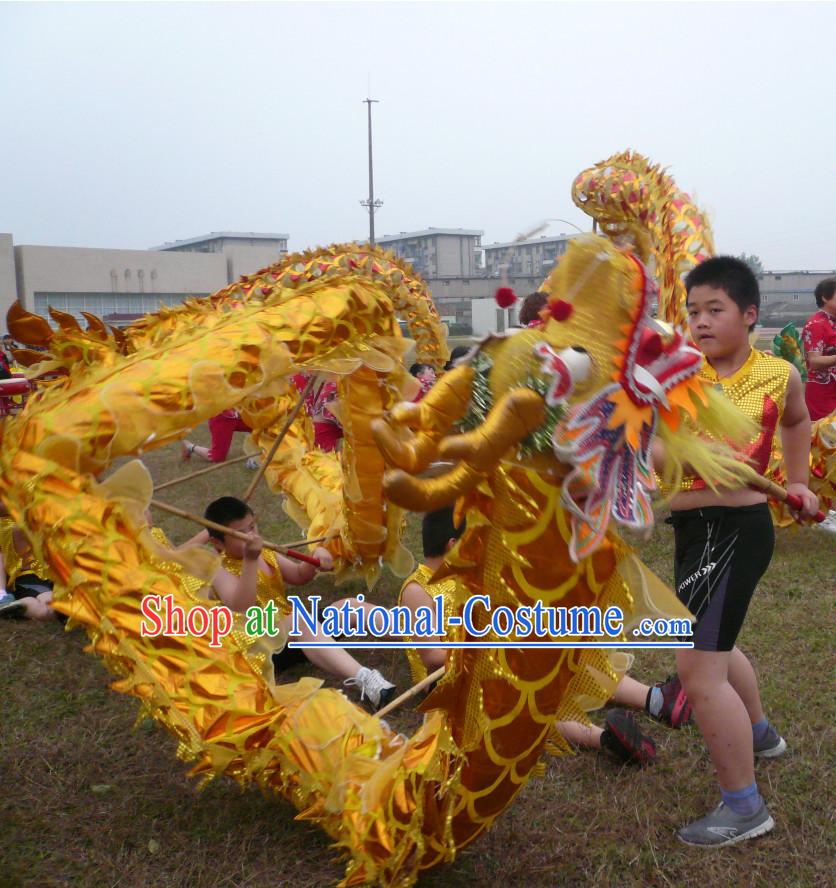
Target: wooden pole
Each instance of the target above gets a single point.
(213, 468)
(296, 543)
(415, 689)
(211, 525)
(267, 459)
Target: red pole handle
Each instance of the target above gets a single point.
(794, 502)
(301, 556)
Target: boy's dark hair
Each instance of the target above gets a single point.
(824, 291)
(437, 529)
(531, 308)
(731, 275)
(415, 369)
(225, 510)
(458, 352)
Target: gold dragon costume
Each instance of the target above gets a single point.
(548, 433)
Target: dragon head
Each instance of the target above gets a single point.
(617, 372)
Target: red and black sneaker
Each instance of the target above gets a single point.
(623, 739)
(676, 710)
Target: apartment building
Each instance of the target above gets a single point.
(437, 252)
(534, 257)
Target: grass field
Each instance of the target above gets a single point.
(87, 800)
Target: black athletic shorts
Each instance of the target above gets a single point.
(721, 553)
(29, 586)
(287, 658)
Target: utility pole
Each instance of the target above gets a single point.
(371, 204)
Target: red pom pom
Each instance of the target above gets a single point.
(560, 310)
(505, 297)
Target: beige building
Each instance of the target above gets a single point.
(8, 280)
(120, 285)
(437, 252)
(535, 257)
(787, 296)
(245, 252)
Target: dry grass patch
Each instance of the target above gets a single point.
(88, 801)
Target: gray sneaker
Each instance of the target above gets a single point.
(772, 745)
(723, 827)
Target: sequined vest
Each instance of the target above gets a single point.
(267, 588)
(257, 650)
(191, 585)
(758, 388)
(447, 587)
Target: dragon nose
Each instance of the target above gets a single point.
(568, 368)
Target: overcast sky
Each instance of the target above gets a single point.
(128, 125)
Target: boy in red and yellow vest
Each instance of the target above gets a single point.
(724, 542)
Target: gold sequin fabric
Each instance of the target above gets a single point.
(268, 587)
(257, 650)
(422, 575)
(822, 471)
(758, 389)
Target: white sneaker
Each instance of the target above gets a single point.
(372, 685)
(252, 463)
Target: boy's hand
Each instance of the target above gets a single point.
(253, 547)
(809, 501)
(325, 558)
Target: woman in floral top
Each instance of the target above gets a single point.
(328, 431)
(819, 338)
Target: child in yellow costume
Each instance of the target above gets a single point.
(665, 701)
(250, 575)
(724, 542)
